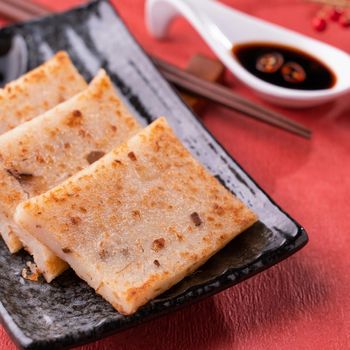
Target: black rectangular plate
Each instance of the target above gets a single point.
(67, 312)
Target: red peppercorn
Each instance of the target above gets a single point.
(344, 21)
(319, 24)
(335, 14)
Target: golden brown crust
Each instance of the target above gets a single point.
(152, 214)
(22, 100)
(41, 153)
(39, 90)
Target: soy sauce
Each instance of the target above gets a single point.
(284, 66)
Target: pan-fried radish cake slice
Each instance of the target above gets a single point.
(43, 152)
(31, 95)
(138, 220)
(38, 91)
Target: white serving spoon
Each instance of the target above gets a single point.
(222, 27)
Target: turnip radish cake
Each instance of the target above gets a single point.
(38, 91)
(138, 220)
(43, 152)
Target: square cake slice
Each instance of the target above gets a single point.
(41, 153)
(38, 91)
(33, 94)
(138, 220)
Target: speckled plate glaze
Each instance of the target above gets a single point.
(67, 312)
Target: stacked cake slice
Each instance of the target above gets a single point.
(38, 91)
(43, 152)
(32, 94)
(129, 209)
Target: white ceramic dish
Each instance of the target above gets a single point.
(222, 27)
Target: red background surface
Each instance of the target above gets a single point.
(304, 302)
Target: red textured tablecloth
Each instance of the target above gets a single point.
(304, 302)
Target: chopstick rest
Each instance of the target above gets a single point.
(207, 69)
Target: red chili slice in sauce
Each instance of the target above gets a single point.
(269, 62)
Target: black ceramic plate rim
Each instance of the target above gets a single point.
(284, 251)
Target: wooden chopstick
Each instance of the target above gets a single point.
(25, 9)
(13, 13)
(224, 91)
(226, 97)
(248, 110)
(29, 7)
